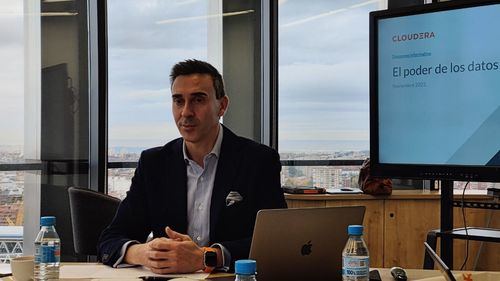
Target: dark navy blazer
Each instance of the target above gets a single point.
(158, 196)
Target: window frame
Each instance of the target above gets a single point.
(269, 121)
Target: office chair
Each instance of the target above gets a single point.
(91, 212)
(432, 241)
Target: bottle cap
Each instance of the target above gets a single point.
(355, 229)
(246, 267)
(48, 221)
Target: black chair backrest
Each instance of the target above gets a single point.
(91, 212)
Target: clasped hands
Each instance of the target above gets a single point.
(175, 254)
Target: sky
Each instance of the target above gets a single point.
(141, 53)
(323, 74)
(11, 73)
(323, 71)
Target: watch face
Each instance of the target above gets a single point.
(210, 259)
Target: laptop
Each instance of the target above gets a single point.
(440, 263)
(302, 244)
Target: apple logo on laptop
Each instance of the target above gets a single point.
(306, 249)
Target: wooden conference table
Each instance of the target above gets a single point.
(86, 273)
(413, 275)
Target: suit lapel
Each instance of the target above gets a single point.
(224, 177)
(175, 185)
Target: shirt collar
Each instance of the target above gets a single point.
(215, 150)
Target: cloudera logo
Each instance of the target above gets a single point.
(413, 36)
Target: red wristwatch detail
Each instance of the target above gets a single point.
(209, 259)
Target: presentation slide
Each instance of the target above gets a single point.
(439, 87)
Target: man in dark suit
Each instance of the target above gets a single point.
(199, 194)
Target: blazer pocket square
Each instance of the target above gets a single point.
(232, 198)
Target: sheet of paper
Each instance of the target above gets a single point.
(100, 271)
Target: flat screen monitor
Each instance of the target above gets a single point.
(435, 91)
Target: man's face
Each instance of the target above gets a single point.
(195, 108)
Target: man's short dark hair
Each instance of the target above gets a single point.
(193, 66)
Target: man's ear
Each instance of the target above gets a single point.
(223, 104)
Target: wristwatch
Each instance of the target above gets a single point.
(209, 259)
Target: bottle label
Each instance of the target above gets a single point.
(47, 253)
(355, 267)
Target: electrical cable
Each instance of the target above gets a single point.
(465, 227)
(488, 224)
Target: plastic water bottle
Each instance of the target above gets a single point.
(355, 257)
(245, 270)
(47, 250)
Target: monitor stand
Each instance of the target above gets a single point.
(447, 222)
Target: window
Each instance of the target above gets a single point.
(12, 81)
(19, 163)
(144, 42)
(44, 112)
(12, 132)
(323, 90)
(320, 176)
